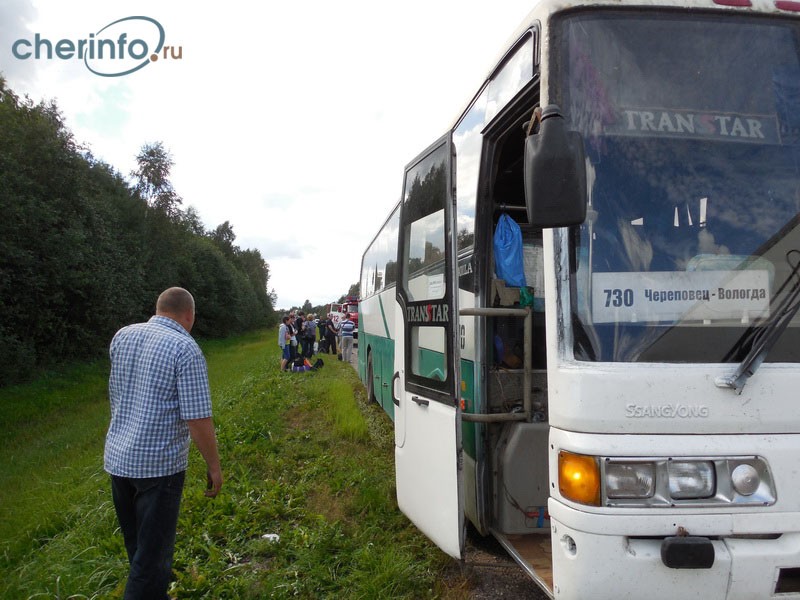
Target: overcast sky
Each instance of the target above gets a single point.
(293, 120)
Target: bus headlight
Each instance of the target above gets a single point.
(745, 479)
(691, 479)
(630, 480)
(579, 478)
(649, 481)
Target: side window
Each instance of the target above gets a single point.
(515, 72)
(379, 268)
(387, 261)
(424, 268)
(367, 276)
(425, 274)
(467, 139)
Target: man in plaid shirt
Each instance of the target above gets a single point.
(160, 398)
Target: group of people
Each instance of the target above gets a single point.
(303, 336)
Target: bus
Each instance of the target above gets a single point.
(626, 421)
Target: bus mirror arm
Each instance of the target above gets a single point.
(555, 173)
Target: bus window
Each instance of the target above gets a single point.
(424, 267)
(694, 173)
(427, 360)
(426, 258)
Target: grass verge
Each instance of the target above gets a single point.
(307, 510)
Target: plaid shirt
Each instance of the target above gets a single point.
(158, 381)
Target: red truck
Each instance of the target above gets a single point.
(348, 306)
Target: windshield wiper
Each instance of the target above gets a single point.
(768, 333)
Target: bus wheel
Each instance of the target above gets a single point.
(370, 380)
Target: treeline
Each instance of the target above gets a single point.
(322, 309)
(83, 252)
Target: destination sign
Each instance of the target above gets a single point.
(680, 295)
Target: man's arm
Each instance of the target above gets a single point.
(204, 437)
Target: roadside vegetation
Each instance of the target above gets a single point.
(83, 250)
(307, 510)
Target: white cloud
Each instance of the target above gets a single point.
(15, 15)
(292, 121)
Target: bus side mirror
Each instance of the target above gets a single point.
(555, 173)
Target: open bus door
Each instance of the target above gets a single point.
(424, 387)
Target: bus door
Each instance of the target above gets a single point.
(427, 415)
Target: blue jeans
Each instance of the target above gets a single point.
(147, 510)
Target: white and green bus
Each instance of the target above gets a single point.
(627, 421)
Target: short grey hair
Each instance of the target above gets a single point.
(175, 301)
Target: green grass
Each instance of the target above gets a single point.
(304, 456)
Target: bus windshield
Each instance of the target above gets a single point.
(691, 124)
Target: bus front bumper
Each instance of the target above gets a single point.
(668, 556)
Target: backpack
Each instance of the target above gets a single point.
(310, 328)
(301, 365)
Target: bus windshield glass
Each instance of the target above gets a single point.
(691, 125)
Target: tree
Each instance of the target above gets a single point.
(81, 253)
(152, 175)
(257, 271)
(224, 237)
(353, 291)
(69, 243)
(191, 220)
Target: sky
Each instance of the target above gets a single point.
(293, 121)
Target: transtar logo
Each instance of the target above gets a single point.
(751, 128)
(429, 313)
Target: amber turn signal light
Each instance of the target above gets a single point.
(579, 478)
